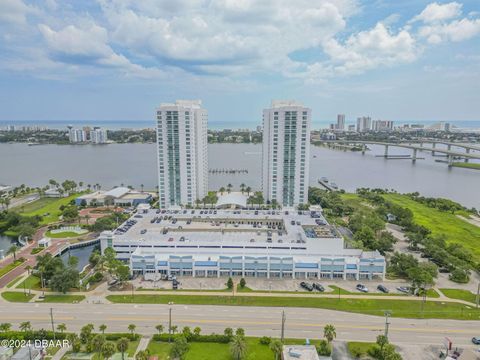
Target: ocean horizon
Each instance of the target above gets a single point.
(215, 125)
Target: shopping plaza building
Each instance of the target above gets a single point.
(249, 243)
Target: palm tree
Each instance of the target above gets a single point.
(248, 190)
(159, 328)
(132, 328)
(4, 327)
(26, 326)
(102, 328)
(242, 187)
(13, 250)
(61, 327)
(229, 187)
(173, 329)
(97, 343)
(28, 268)
(141, 186)
(108, 349)
(142, 355)
(276, 346)
(222, 190)
(87, 218)
(329, 332)
(122, 346)
(238, 348)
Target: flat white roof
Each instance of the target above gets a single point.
(117, 192)
(234, 198)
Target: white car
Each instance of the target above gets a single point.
(362, 288)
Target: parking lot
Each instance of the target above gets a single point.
(285, 285)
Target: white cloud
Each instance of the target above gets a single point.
(370, 49)
(14, 11)
(436, 12)
(88, 46)
(456, 30)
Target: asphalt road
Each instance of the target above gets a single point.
(257, 321)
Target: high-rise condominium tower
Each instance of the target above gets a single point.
(182, 153)
(340, 122)
(286, 152)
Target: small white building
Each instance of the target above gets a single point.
(53, 193)
(299, 352)
(45, 242)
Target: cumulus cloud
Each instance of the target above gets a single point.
(441, 23)
(370, 49)
(87, 46)
(436, 12)
(15, 11)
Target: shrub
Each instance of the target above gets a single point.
(265, 340)
(324, 348)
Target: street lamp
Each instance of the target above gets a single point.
(387, 323)
(170, 321)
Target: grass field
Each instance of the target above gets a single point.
(460, 294)
(468, 165)
(66, 299)
(46, 205)
(217, 351)
(63, 235)
(399, 308)
(14, 281)
(10, 267)
(31, 282)
(439, 222)
(358, 349)
(16, 296)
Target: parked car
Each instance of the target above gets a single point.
(404, 289)
(143, 231)
(318, 287)
(476, 340)
(174, 284)
(362, 288)
(382, 288)
(306, 286)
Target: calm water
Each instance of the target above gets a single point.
(135, 164)
(82, 254)
(5, 243)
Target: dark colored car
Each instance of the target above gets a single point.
(382, 288)
(306, 286)
(318, 287)
(476, 340)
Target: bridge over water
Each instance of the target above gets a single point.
(451, 154)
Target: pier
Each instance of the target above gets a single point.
(228, 171)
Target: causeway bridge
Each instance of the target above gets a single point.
(415, 147)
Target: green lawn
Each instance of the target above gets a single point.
(62, 235)
(10, 267)
(62, 299)
(46, 205)
(16, 296)
(132, 347)
(37, 250)
(468, 165)
(13, 282)
(399, 308)
(358, 349)
(439, 222)
(217, 351)
(31, 282)
(460, 294)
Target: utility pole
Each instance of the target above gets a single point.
(170, 322)
(282, 336)
(53, 326)
(478, 294)
(387, 323)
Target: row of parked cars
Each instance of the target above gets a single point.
(123, 229)
(311, 287)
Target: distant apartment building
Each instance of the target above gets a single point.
(351, 128)
(364, 123)
(286, 152)
(182, 152)
(77, 135)
(382, 125)
(98, 136)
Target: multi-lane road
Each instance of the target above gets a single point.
(257, 321)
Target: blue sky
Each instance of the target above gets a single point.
(118, 59)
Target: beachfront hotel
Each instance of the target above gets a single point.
(286, 152)
(182, 153)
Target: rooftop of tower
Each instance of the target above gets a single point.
(285, 103)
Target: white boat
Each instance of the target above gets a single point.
(334, 186)
(324, 179)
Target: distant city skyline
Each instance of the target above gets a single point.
(107, 60)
